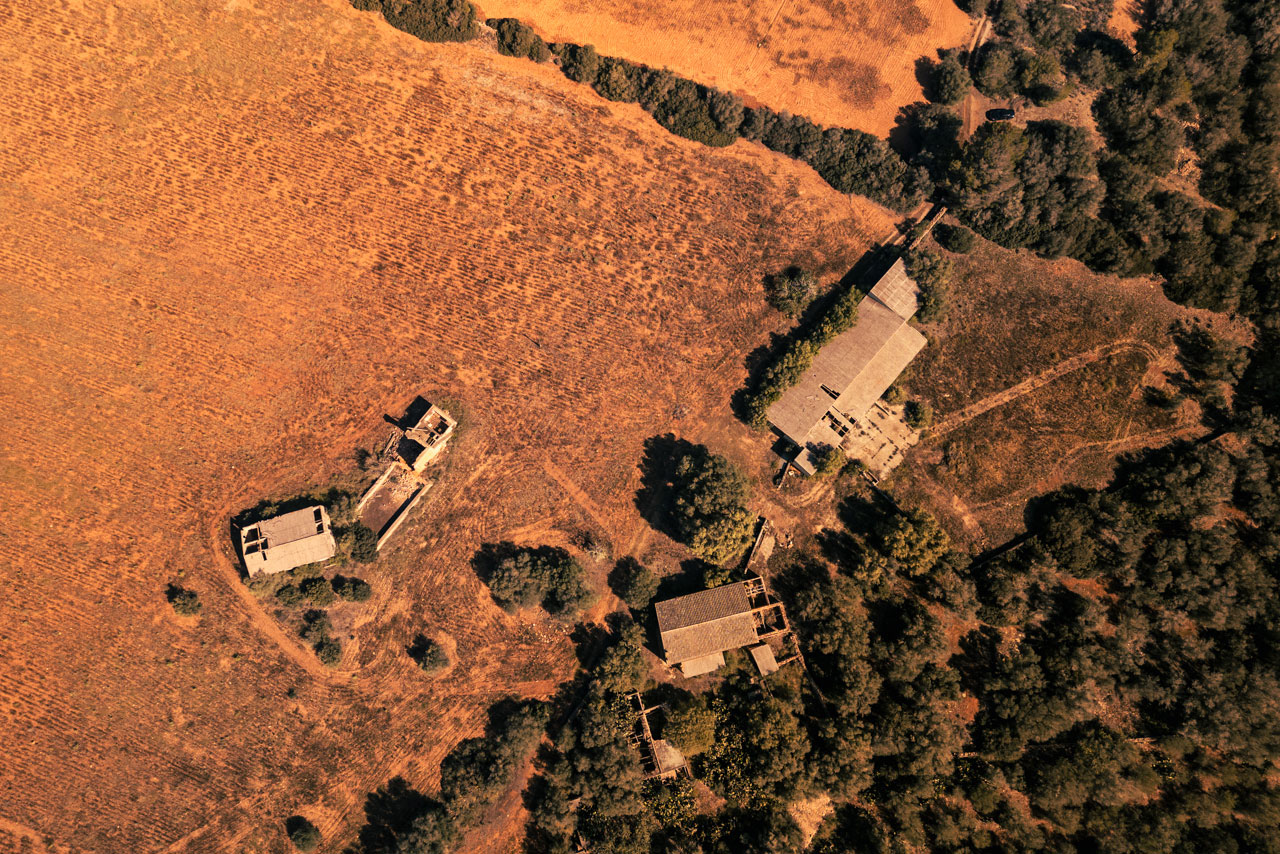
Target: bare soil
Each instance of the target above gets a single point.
(849, 63)
(237, 234)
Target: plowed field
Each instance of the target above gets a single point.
(233, 236)
(850, 63)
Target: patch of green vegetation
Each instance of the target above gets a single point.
(184, 602)
(525, 576)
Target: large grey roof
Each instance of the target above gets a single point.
(705, 622)
(292, 540)
(898, 291)
(858, 365)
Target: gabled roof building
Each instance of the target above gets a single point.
(287, 541)
(698, 629)
(853, 370)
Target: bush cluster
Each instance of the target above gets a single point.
(428, 654)
(429, 20)
(524, 576)
(518, 39)
(794, 356)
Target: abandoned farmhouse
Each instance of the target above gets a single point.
(833, 398)
(287, 541)
(698, 629)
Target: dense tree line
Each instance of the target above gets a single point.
(1203, 79)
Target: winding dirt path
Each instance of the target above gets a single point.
(1041, 380)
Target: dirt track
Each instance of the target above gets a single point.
(1041, 380)
(236, 236)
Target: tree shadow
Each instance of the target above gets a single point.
(658, 479)
(390, 812)
(926, 72)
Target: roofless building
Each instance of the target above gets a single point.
(853, 370)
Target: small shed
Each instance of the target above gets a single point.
(287, 541)
(766, 661)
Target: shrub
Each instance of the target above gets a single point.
(363, 543)
(184, 602)
(919, 414)
(329, 651)
(932, 272)
(634, 583)
(352, 589)
(951, 80)
(428, 654)
(955, 238)
(789, 291)
(304, 835)
(829, 460)
(520, 577)
(315, 625)
(433, 20)
(516, 38)
(289, 595)
(316, 590)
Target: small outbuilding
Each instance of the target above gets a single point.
(287, 541)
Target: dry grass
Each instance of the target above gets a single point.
(1060, 357)
(849, 63)
(238, 234)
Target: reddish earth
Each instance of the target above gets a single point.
(237, 234)
(850, 63)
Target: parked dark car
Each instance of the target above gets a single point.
(1000, 115)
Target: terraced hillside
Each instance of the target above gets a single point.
(235, 235)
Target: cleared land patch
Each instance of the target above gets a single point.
(848, 63)
(235, 235)
(1036, 377)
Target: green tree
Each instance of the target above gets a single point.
(622, 667)
(932, 272)
(951, 80)
(789, 291)
(184, 602)
(710, 511)
(634, 583)
(690, 726)
(428, 654)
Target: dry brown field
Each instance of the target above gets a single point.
(848, 63)
(1037, 378)
(234, 236)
